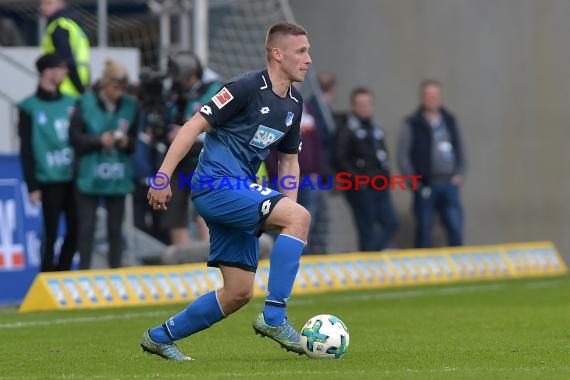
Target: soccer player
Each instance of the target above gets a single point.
(248, 116)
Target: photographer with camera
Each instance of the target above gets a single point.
(103, 131)
(190, 90)
(149, 149)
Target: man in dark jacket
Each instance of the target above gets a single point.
(190, 91)
(360, 150)
(430, 145)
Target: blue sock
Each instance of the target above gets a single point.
(199, 315)
(283, 267)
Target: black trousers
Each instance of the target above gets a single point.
(375, 217)
(145, 218)
(58, 198)
(87, 211)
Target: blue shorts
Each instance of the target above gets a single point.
(234, 217)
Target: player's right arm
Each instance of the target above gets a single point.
(178, 149)
(223, 106)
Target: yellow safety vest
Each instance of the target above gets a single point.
(79, 44)
(262, 174)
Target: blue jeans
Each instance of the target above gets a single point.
(375, 217)
(444, 199)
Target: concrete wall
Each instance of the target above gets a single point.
(504, 65)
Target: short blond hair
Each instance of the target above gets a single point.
(114, 72)
(281, 29)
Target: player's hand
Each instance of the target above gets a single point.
(157, 198)
(107, 140)
(35, 196)
(123, 143)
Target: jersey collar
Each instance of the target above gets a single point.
(267, 85)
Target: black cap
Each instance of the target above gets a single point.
(50, 60)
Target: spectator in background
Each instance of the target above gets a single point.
(326, 121)
(144, 163)
(311, 164)
(47, 158)
(360, 150)
(64, 35)
(325, 118)
(430, 145)
(103, 132)
(190, 91)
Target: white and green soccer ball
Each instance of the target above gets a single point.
(325, 336)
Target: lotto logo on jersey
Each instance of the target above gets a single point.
(265, 136)
(222, 98)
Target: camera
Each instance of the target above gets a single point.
(153, 102)
(118, 135)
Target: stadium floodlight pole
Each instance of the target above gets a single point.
(200, 30)
(184, 33)
(42, 22)
(164, 39)
(165, 9)
(102, 23)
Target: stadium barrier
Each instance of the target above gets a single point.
(174, 284)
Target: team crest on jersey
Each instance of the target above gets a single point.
(265, 136)
(222, 98)
(289, 119)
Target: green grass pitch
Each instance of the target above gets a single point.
(489, 330)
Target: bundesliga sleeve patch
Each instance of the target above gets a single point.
(222, 98)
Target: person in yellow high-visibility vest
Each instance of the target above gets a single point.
(64, 35)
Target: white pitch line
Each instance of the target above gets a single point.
(545, 283)
(407, 293)
(109, 317)
(338, 297)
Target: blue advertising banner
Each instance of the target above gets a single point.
(20, 233)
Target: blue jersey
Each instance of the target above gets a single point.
(248, 118)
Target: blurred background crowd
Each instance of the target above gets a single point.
(120, 126)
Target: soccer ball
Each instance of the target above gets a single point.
(324, 336)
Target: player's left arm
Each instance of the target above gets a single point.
(288, 168)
